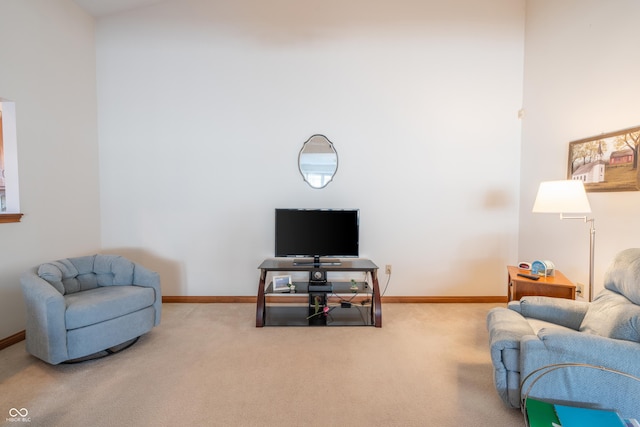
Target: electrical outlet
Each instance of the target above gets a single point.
(387, 269)
(579, 289)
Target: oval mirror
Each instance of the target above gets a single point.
(318, 161)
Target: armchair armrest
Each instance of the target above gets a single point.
(45, 330)
(506, 329)
(142, 276)
(564, 312)
(590, 379)
(569, 346)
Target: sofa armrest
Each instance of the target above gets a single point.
(564, 312)
(142, 276)
(506, 329)
(563, 346)
(45, 331)
(578, 368)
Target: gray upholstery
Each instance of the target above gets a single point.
(614, 316)
(80, 306)
(623, 275)
(538, 332)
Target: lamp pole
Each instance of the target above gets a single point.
(592, 247)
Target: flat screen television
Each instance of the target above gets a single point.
(317, 233)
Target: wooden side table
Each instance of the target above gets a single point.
(557, 286)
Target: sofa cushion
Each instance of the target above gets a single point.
(113, 270)
(105, 303)
(87, 272)
(69, 275)
(623, 275)
(560, 311)
(52, 273)
(83, 264)
(612, 315)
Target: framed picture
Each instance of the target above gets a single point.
(607, 162)
(281, 283)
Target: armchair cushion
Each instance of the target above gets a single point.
(54, 272)
(88, 272)
(105, 303)
(612, 315)
(113, 270)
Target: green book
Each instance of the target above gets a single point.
(541, 414)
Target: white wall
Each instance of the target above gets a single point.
(203, 107)
(203, 111)
(47, 67)
(581, 80)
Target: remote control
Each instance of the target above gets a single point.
(529, 276)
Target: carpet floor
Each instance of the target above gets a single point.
(207, 364)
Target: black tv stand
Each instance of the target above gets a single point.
(319, 302)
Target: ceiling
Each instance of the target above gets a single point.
(100, 8)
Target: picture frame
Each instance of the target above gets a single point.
(607, 162)
(281, 283)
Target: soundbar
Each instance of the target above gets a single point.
(317, 264)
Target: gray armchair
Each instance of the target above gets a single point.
(539, 332)
(80, 306)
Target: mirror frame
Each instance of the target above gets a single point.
(331, 146)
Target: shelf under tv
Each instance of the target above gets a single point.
(344, 306)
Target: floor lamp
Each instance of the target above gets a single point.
(568, 196)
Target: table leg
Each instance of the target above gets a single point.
(377, 304)
(260, 304)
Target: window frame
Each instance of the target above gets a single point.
(10, 154)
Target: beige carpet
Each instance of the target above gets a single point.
(207, 364)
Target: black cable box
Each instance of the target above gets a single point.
(325, 287)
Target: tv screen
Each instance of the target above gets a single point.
(317, 232)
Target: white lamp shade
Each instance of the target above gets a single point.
(566, 196)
